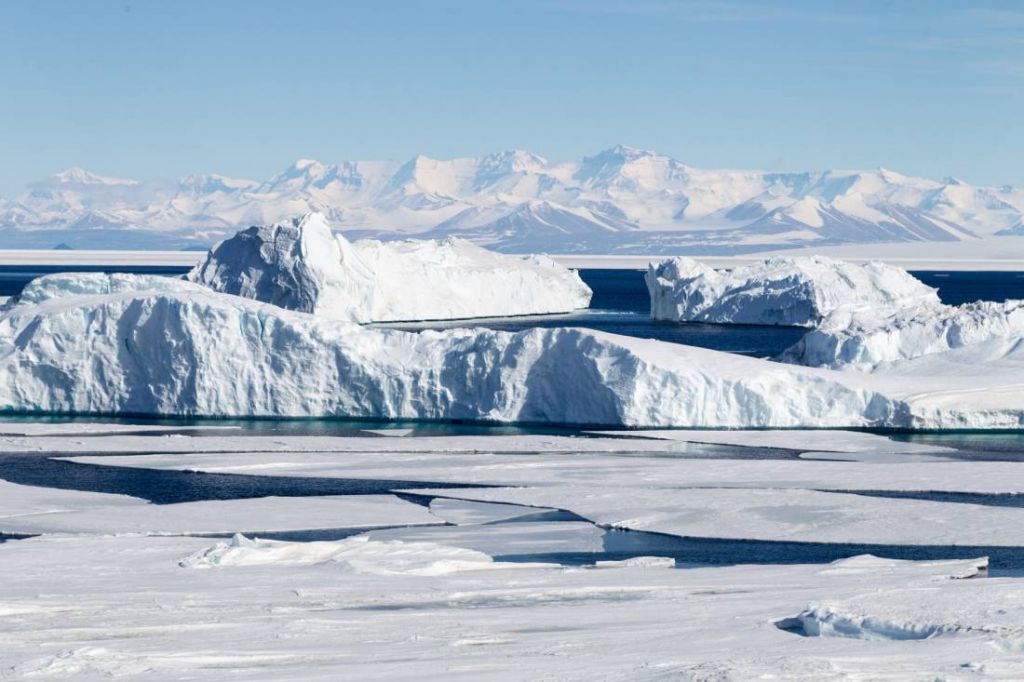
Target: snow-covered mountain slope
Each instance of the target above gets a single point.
(779, 291)
(621, 200)
(122, 344)
(300, 265)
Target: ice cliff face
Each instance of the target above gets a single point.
(95, 343)
(777, 291)
(868, 339)
(297, 265)
(302, 266)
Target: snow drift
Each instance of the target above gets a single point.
(358, 554)
(778, 291)
(300, 265)
(95, 343)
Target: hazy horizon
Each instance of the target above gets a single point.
(155, 90)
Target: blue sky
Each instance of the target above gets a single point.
(163, 89)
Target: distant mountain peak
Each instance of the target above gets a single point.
(629, 152)
(619, 200)
(304, 164)
(513, 161)
(214, 182)
(80, 176)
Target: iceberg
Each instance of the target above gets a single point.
(797, 291)
(96, 343)
(301, 265)
(873, 340)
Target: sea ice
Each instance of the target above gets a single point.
(504, 461)
(783, 514)
(78, 512)
(122, 606)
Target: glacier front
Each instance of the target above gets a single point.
(133, 344)
(798, 291)
(301, 265)
(95, 343)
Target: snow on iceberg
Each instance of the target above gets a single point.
(178, 348)
(797, 291)
(299, 265)
(868, 340)
(302, 265)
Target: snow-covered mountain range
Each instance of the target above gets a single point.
(618, 201)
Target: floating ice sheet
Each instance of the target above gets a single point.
(92, 607)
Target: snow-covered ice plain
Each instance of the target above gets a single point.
(528, 583)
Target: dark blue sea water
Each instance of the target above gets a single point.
(13, 278)
(620, 305)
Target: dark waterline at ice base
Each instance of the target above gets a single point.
(620, 305)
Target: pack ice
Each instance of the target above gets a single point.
(797, 291)
(301, 265)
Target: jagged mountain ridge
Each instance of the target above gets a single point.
(620, 200)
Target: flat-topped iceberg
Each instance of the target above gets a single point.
(797, 291)
(300, 265)
(866, 339)
(92, 343)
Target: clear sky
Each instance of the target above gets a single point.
(164, 89)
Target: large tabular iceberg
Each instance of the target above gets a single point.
(778, 291)
(866, 339)
(302, 266)
(95, 343)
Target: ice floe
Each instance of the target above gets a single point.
(782, 514)
(48, 511)
(123, 606)
(19, 503)
(630, 463)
